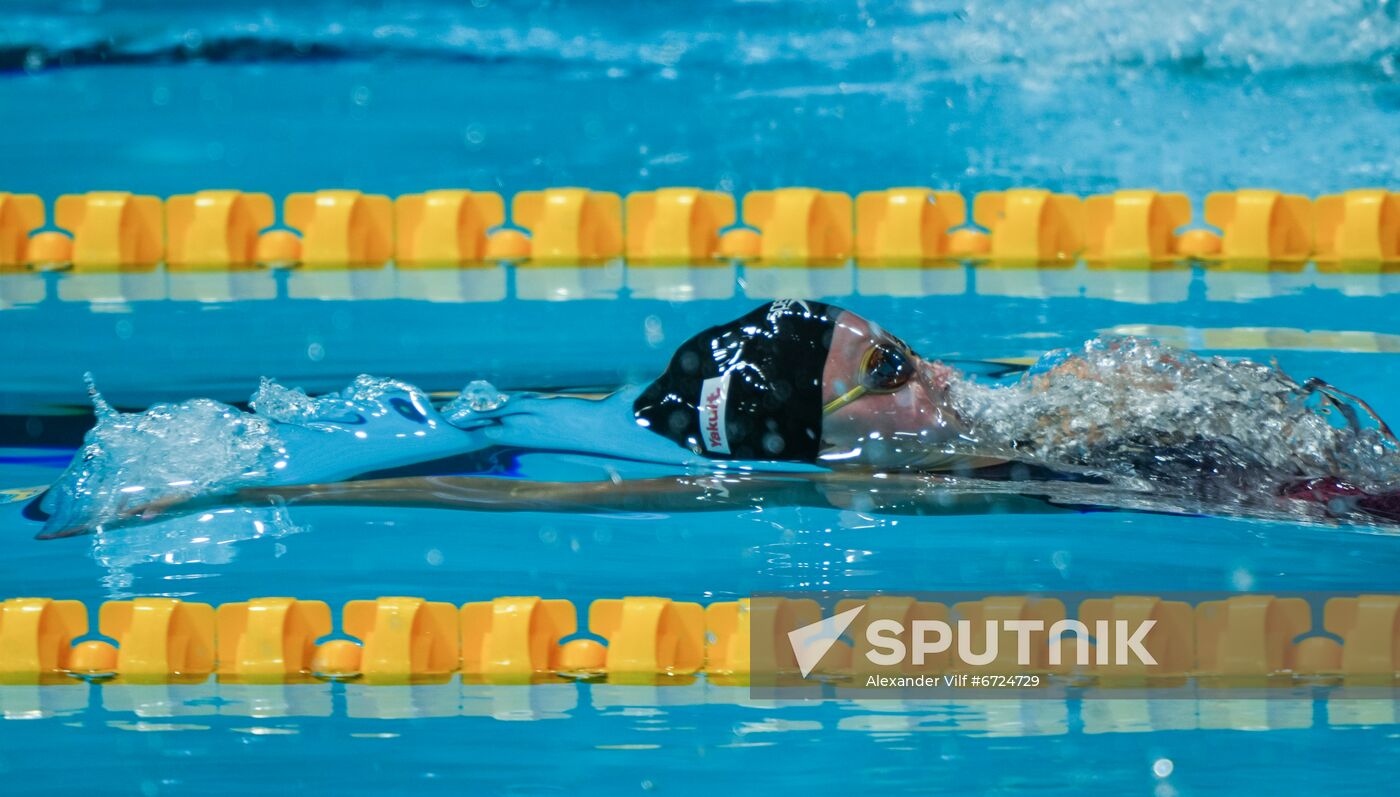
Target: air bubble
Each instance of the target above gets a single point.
(1151, 418)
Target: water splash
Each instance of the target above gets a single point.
(477, 397)
(100, 407)
(1151, 417)
(206, 538)
(365, 394)
(1042, 37)
(136, 464)
(133, 462)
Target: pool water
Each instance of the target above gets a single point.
(408, 96)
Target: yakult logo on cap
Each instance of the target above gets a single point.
(714, 395)
(781, 306)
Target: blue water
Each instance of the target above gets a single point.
(401, 97)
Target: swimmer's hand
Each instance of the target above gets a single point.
(140, 513)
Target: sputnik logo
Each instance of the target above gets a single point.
(1118, 642)
(811, 642)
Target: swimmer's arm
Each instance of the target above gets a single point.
(896, 493)
(1080, 370)
(665, 494)
(891, 493)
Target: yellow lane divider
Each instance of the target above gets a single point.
(1262, 225)
(677, 225)
(912, 224)
(215, 227)
(20, 215)
(393, 638)
(226, 229)
(799, 225)
(446, 226)
(1031, 224)
(1138, 225)
(113, 228)
(570, 224)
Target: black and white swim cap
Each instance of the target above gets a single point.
(749, 389)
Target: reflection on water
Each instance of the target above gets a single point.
(207, 537)
(350, 283)
(1245, 282)
(113, 286)
(1358, 279)
(221, 286)
(483, 284)
(568, 282)
(941, 279)
(779, 281)
(562, 701)
(1154, 284)
(682, 283)
(1030, 282)
(1135, 283)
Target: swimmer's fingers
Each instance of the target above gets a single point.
(58, 534)
(140, 513)
(152, 509)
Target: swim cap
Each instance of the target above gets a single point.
(749, 389)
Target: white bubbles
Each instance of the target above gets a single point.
(292, 405)
(177, 541)
(1241, 580)
(165, 454)
(174, 452)
(1163, 767)
(477, 397)
(654, 332)
(1147, 415)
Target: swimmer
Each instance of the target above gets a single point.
(811, 382)
(805, 403)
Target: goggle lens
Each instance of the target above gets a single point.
(887, 369)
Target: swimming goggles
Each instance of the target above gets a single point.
(886, 367)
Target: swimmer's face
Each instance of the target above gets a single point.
(907, 425)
